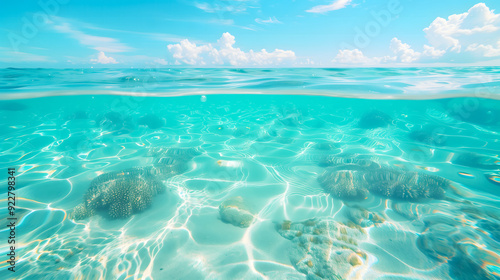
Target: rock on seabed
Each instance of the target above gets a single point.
(234, 211)
(324, 249)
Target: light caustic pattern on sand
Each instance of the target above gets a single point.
(263, 155)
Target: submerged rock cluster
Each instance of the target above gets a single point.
(350, 178)
(234, 211)
(363, 218)
(402, 184)
(324, 249)
(448, 240)
(120, 194)
(345, 184)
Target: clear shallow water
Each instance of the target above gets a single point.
(365, 82)
(253, 186)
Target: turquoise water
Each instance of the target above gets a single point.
(252, 173)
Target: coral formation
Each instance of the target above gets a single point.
(119, 194)
(286, 225)
(234, 211)
(362, 217)
(323, 249)
(344, 184)
(409, 185)
(374, 119)
(356, 178)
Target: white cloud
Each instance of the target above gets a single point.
(103, 59)
(102, 44)
(385, 59)
(335, 5)
(190, 53)
(403, 51)
(160, 61)
(351, 56)
(432, 52)
(356, 56)
(267, 21)
(476, 30)
(485, 50)
(470, 36)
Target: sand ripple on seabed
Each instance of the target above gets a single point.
(268, 156)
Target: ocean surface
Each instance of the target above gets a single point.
(390, 173)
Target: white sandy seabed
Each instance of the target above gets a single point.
(248, 203)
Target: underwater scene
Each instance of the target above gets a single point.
(367, 173)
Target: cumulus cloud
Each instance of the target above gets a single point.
(403, 51)
(103, 59)
(485, 50)
(354, 56)
(470, 36)
(225, 53)
(432, 52)
(335, 5)
(189, 52)
(476, 30)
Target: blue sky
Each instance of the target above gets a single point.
(249, 33)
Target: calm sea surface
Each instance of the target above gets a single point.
(361, 173)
